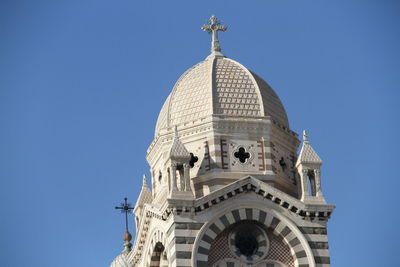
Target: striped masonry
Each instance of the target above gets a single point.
(180, 239)
(156, 253)
(270, 221)
(318, 241)
(261, 155)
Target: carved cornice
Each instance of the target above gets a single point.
(247, 185)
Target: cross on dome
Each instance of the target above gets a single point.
(213, 27)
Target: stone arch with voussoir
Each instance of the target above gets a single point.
(154, 254)
(276, 222)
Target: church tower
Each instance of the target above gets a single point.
(228, 187)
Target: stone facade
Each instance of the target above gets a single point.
(228, 187)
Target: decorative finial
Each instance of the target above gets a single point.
(305, 136)
(213, 26)
(126, 208)
(127, 238)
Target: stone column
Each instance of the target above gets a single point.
(186, 171)
(313, 184)
(304, 183)
(182, 179)
(317, 174)
(173, 176)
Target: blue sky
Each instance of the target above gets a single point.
(82, 82)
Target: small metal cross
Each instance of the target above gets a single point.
(125, 208)
(213, 27)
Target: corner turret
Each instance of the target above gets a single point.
(308, 166)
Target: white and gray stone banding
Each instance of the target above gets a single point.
(268, 219)
(181, 236)
(318, 242)
(154, 250)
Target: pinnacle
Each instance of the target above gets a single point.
(144, 184)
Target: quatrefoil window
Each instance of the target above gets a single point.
(242, 155)
(193, 160)
(283, 164)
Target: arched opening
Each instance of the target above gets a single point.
(286, 244)
(169, 180)
(311, 183)
(159, 256)
(180, 177)
(159, 176)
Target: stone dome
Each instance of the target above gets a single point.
(121, 261)
(219, 86)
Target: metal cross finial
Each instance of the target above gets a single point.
(125, 208)
(213, 27)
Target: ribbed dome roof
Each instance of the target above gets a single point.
(219, 86)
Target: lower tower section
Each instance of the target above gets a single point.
(247, 223)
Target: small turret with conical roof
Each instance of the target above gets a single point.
(178, 151)
(309, 168)
(145, 195)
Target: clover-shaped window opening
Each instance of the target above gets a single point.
(242, 155)
(193, 160)
(283, 164)
(169, 179)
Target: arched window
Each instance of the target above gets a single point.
(311, 183)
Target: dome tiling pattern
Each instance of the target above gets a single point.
(235, 90)
(190, 98)
(163, 116)
(219, 86)
(272, 104)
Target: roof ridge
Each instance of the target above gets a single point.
(145, 195)
(307, 153)
(178, 151)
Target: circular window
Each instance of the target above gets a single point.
(248, 241)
